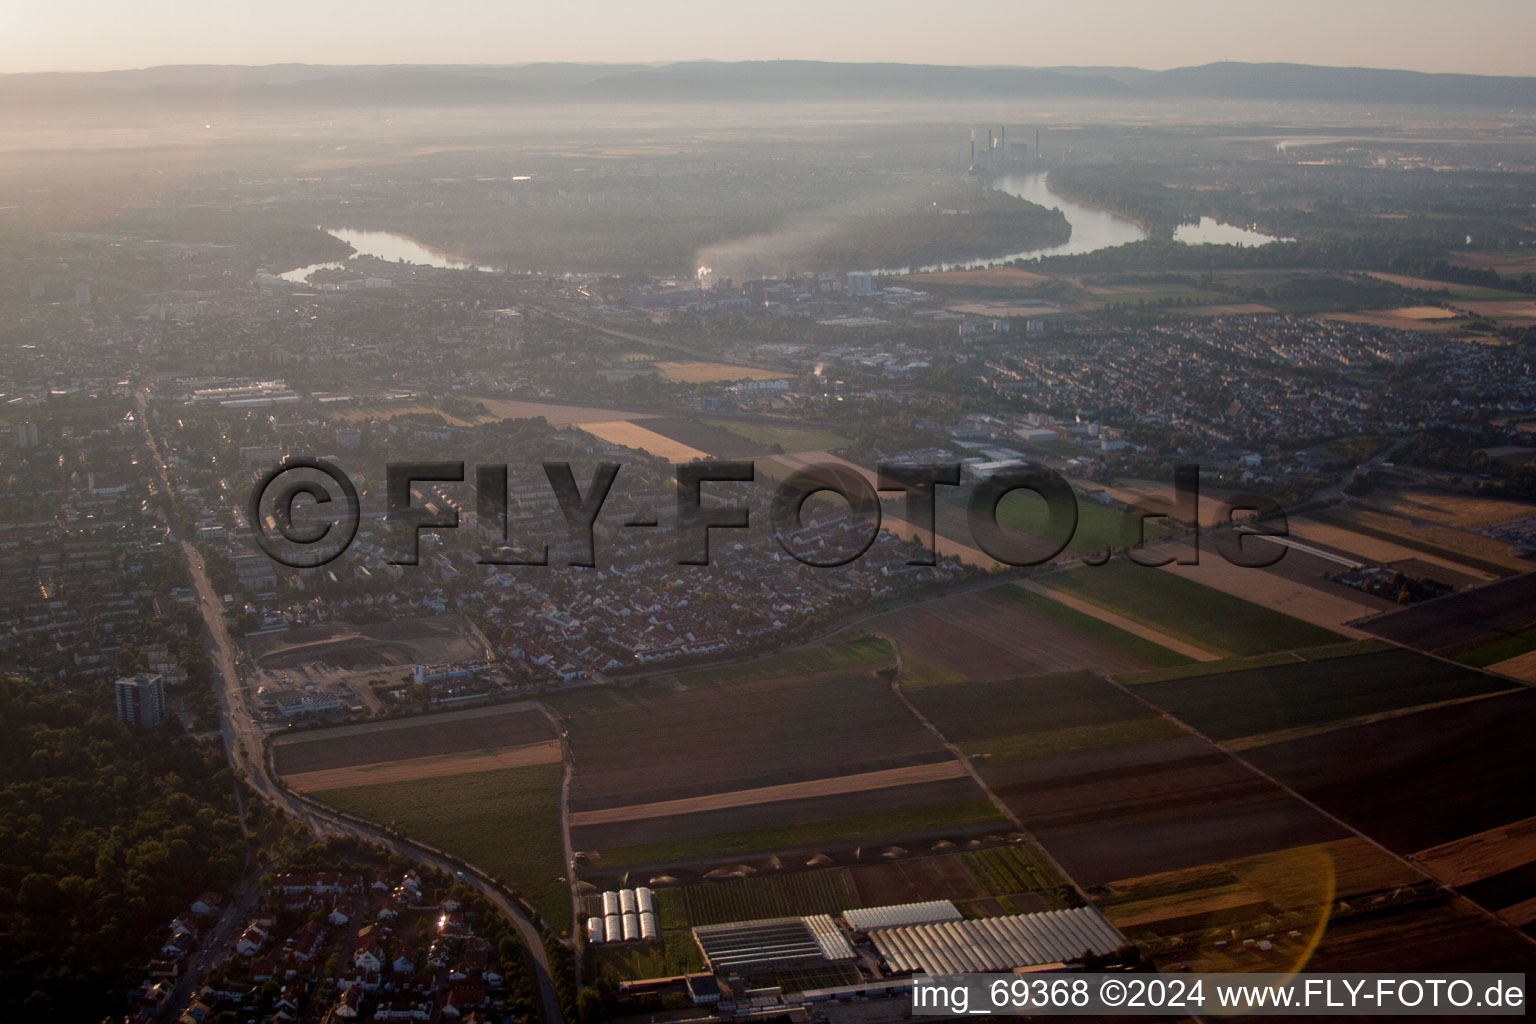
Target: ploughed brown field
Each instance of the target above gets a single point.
(1111, 788)
(916, 880)
(1498, 609)
(983, 636)
(410, 769)
(665, 743)
(1152, 807)
(698, 758)
(481, 732)
(1432, 777)
(731, 820)
(842, 785)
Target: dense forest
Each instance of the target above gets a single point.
(106, 835)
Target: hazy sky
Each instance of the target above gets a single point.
(1479, 36)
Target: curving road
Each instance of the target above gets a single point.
(244, 744)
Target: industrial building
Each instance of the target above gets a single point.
(993, 944)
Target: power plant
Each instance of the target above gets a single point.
(999, 156)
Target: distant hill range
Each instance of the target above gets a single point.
(747, 81)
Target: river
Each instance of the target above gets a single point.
(1092, 229)
(384, 245)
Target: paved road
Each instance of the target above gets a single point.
(243, 737)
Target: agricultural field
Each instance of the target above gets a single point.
(556, 415)
(1041, 716)
(629, 434)
(1384, 550)
(1522, 667)
(1404, 318)
(1334, 906)
(1302, 883)
(1520, 310)
(804, 749)
(934, 823)
(705, 436)
(1299, 585)
(1428, 936)
(505, 822)
(389, 410)
(1310, 696)
(1107, 785)
(1500, 651)
(1433, 776)
(1217, 622)
(1461, 511)
(1462, 624)
(825, 891)
(1019, 878)
(1483, 855)
(664, 743)
(427, 743)
(1007, 631)
(1455, 546)
(786, 437)
(1099, 526)
(709, 373)
(1346, 649)
(1146, 807)
(863, 650)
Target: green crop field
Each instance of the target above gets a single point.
(877, 826)
(789, 439)
(505, 822)
(1187, 611)
(1006, 870)
(1098, 526)
(1041, 716)
(1502, 649)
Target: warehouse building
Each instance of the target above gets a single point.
(994, 944)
